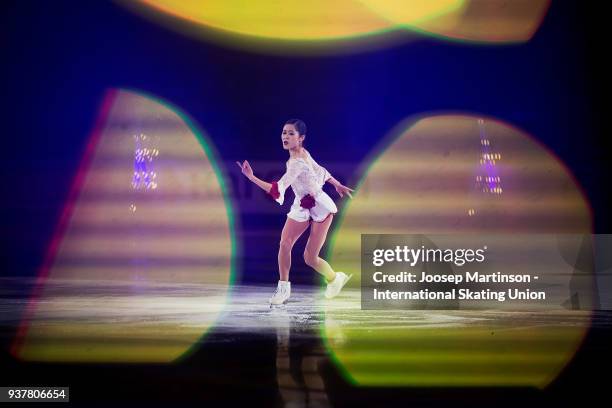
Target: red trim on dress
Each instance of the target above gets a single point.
(274, 190)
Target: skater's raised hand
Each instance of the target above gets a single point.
(342, 189)
(245, 168)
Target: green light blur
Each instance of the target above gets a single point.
(504, 349)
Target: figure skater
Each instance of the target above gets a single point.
(311, 203)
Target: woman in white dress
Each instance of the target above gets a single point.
(306, 178)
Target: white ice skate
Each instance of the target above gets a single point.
(282, 293)
(334, 287)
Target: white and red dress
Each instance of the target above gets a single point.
(306, 179)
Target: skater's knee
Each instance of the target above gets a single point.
(285, 245)
(311, 258)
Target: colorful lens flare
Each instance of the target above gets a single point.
(145, 243)
(466, 176)
(346, 25)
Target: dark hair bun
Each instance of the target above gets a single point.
(300, 126)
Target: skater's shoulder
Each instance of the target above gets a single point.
(296, 160)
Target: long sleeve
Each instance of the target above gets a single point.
(321, 172)
(294, 169)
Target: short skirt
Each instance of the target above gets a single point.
(324, 205)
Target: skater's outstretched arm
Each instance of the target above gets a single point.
(246, 169)
(327, 177)
(340, 189)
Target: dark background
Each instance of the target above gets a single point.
(59, 57)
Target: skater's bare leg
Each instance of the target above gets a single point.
(318, 234)
(291, 232)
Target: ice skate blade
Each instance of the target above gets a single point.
(348, 278)
(279, 306)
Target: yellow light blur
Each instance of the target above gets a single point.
(426, 181)
(345, 25)
(485, 21)
(131, 251)
(292, 19)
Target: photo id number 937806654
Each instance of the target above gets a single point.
(55, 394)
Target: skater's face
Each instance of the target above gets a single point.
(290, 137)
